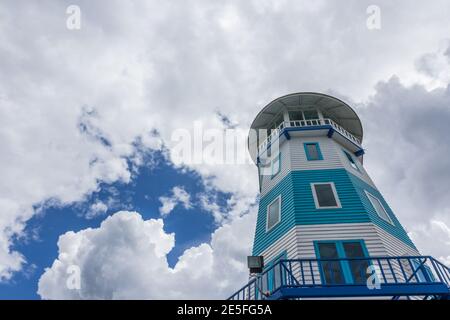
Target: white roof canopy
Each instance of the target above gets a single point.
(330, 107)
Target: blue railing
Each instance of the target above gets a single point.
(378, 276)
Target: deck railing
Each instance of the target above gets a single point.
(356, 272)
(306, 123)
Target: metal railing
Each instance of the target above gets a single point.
(306, 123)
(327, 273)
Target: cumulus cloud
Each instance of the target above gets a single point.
(407, 155)
(234, 207)
(78, 107)
(433, 237)
(178, 196)
(125, 258)
(436, 65)
(96, 209)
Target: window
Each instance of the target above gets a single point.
(351, 160)
(274, 277)
(273, 213)
(310, 114)
(278, 120)
(350, 269)
(312, 151)
(331, 269)
(276, 165)
(358, 268)
(295, 115)
(325, 195)
(379, 208)
(263, 169)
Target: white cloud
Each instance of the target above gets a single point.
(125, 258)
(76, 105)
(236, 206)
(433, 238)
(407, 156)
(96, 209)
(436, 66)
(179, 196)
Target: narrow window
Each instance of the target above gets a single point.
(331, 269)
(276, 165)
(325, 195)
(312, 151)
(351, 160)
(273, 213)
(358, 268)
(379, 208)
(264, 170)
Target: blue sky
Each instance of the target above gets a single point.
(191, 226)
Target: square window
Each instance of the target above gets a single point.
(325, 195)
(273, 213)
(310, 114)
(295, 115)
(379, 208)
(312, 151)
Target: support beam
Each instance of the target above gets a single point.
(349, 291)
(286, 134)
(360, 152)
(330, 132)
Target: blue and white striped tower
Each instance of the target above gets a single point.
(317, 201)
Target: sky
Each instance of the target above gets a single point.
(90, 114)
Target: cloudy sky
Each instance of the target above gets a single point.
(87, 117)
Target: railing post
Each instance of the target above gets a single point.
(291, 274)
(382, 271)
(312, 274)
(281, 274)
(392, 270)
(402, 269)
(438, 272)
(413, 271)
(302, 274)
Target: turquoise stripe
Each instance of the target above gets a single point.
(263, 239)
(397, 229)
(298, 208)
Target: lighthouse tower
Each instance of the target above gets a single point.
(317, 200)
(323, 227)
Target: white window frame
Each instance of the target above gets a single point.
(279, 213)
(371, 198)
(316, 200)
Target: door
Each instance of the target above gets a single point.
(357, 268)
(273, 279)
(331, 271)
(343, 271)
